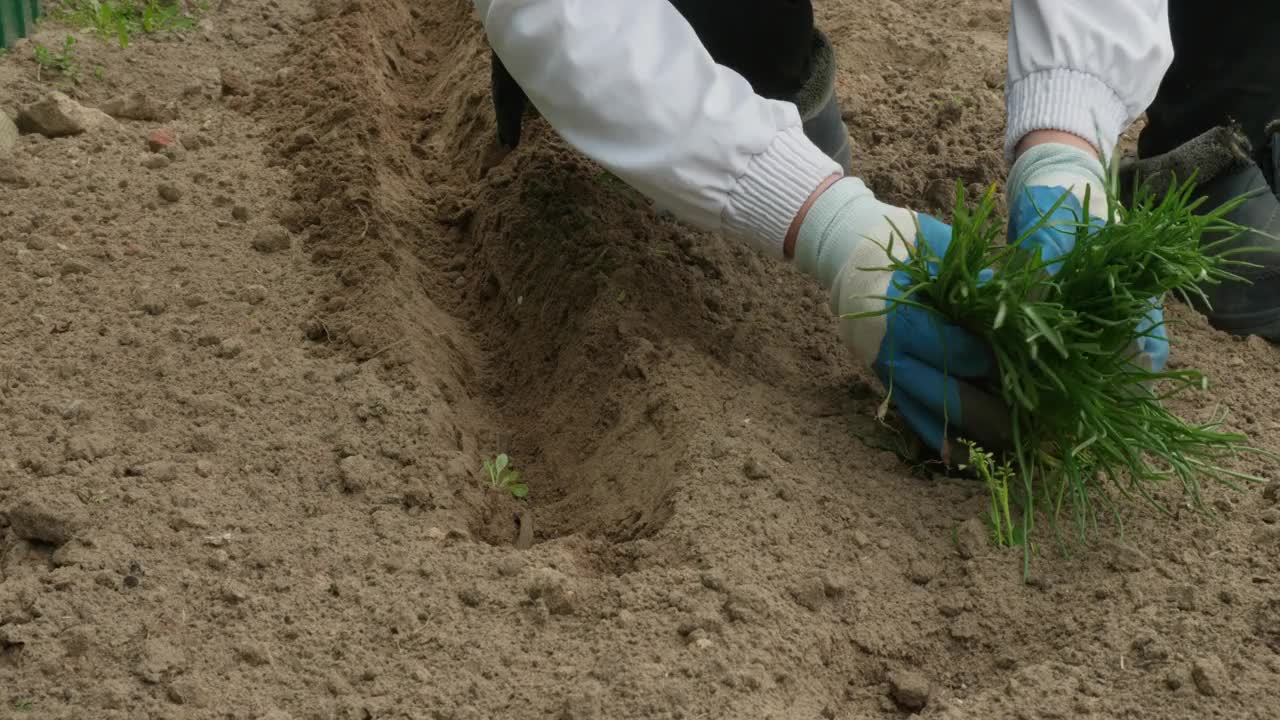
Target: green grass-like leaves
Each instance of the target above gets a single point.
(121, 19)
(1087, 420)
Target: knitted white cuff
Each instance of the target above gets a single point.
(1064, 166)
(1066, 100)
(776, 185)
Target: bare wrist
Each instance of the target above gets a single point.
(1040, 137)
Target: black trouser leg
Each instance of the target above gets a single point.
(768, 42)
(1226, 69)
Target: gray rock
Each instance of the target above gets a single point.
(59, 116)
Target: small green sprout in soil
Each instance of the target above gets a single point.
(61, 62)
(1087, 421)
(997, 478)
(503, 477)
(122, 19)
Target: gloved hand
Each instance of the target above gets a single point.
(1038, 180)
(936, 372)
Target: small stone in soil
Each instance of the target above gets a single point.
(1128, 558)
(511, 565)
(553, 588)
(219, 560)
(235, 592)
(254, 294)
(1272, 491)
(233, 83)
(754, 470)
(909, 689)
(272, 240)
(229, 348)
(253, 653)
(240, 212)
(169, 193)
(923, 571)
(71, 267)
(161, 139)
(972, 538)
(810, 594)
(155, 161)
(355, 471)
(1209, 675)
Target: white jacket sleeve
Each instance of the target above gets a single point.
(630, 85)
(1088, 67)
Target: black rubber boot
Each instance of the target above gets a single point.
(819, 107)
(1222, 159)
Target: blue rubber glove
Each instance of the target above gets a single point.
(935, 371)
(1039, 178)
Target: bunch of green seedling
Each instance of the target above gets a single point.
(503, 477)
(1087, 418)
(62, 62)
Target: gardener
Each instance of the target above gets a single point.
(635, 87)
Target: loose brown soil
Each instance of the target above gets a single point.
(246, 394)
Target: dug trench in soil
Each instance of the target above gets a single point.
(720, 527)
(682, 403)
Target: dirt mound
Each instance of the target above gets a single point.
(244, 428)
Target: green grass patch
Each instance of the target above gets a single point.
(1090, 427)
(60, 62)
(122, 19)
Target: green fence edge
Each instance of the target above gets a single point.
(17, 20)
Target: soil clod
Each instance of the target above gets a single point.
(1209, 675)
(169, 193)
(273, 239)
(972, 539)
(138, 106)
(909, 689)
(57, 115)
(47, 517)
